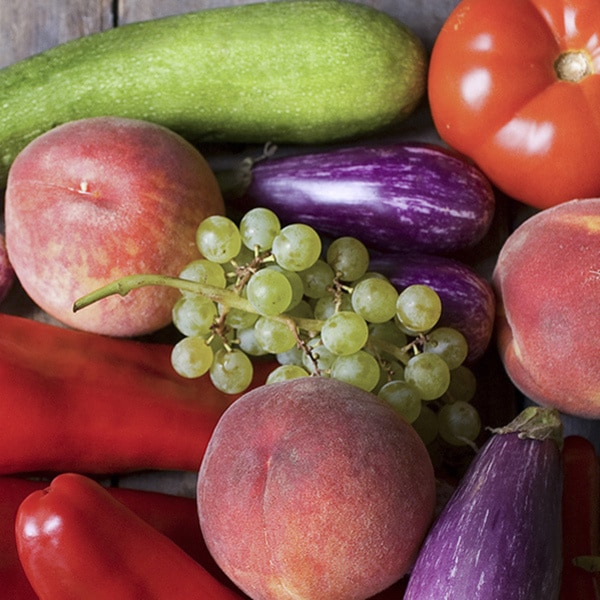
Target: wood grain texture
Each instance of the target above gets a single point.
(130, 11)
(31, 26)
(424, 17)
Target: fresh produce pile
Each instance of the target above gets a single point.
(304, 331)
(265, 290)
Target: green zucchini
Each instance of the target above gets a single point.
(290, 71)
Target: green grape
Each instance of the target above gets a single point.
(317, 279)
(389, 333)
(344, 333)
(295, 282)
(231, 371)
(322, 356)
(286, 372)
(459, 423)
(274, 336)
(258, 228)
(375, 299)
(389, 370)
(217, 342)
(191, 357)
(297, 247)
(269, 291)
(418, 308)
(394, 369)
(426, 425)
(348, 257)
(205, 272)
(360, 369)
(293, 356)
(428, 374)
(244, 257)
(403, 398)
(370, 275)
(218, 239)
(463, 385)
(302, 310)
(246, 341)
(326, 306)
(449, 343)
(237, 318)
(194, 315)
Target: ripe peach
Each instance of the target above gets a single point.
(547, 279)
(313, 489)
(96, 199)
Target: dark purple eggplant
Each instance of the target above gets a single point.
(7, 273)
(401, 196)
(468, 300)
(499, 536)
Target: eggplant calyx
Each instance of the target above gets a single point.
(536, 423)
(235, 181)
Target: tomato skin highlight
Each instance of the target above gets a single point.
(497, 97)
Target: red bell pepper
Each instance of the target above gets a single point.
(77, 541)
(174, 516)
(77, 401)
(580, 517)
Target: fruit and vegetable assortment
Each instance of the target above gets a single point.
(514, 85)
(491, 521)
(305, 72)
(324, 325)
(266, 290)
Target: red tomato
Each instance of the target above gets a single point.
(514, 85)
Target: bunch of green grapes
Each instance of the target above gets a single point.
(320, 311)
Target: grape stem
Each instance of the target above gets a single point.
(228, 298)
(402, 354)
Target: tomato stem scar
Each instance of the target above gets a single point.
(573, 65)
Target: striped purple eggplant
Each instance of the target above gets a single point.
(401, 196)
(500, 536)
(468, 300)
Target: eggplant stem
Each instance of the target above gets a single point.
(535, 423)
(234, 182)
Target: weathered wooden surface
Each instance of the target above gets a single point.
(30, 26)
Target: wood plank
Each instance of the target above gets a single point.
(424, 17)
(31, 26)
(131, 11)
